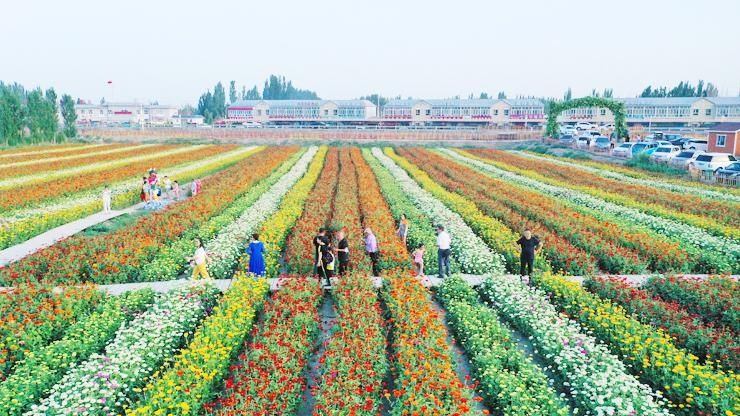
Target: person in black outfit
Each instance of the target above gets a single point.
(320, 243)
(529, 245)
(342, 253)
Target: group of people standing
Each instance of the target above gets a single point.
(153, 189)
(331, 253)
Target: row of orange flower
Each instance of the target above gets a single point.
(24, 154)
(117, 256)
(110, 152)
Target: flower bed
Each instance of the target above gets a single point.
(691, 387)
(192, 379)
(39, 372)
(509, 381)
(105, 383)
(299, 250)
(104, 154)
(559, 253)
(626, 251)
(377, 215)
(20, 225)
(471, 252)
(227, 246)
(716, 300)
(624, 174)
(707, 245)
(275, 230)
(117, 256)
(425, 381)
(354, 363)
(25, 153)
(421, 230)
(718, 217)
(34, 315)
(268, 377)
(687, 329)
(498, 237)
(168, 264)
(598, 381)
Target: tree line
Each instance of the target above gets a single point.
(212, 105)
(683, 89)
(32, 116)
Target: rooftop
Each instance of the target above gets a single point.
(726, 127)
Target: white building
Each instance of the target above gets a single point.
(126, 114)
(263, 111)
(465, 111)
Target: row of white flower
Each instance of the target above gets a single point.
(49, 207)
(680, 231)
(226, 247)
(104, 383)
(473, 255)
(597, 380)
(99, 152)
(655, 183)
(91, 168)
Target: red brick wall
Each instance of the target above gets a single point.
(732, 143)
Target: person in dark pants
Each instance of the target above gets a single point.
(326, 270)
(530, 245)
(319, 247)
(342, 252)
(443, 252)
(371, 247)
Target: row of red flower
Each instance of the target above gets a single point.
(121, 152)
(117, 256)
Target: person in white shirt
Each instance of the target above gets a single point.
(443, 252)
(107, 196)
(199, 261)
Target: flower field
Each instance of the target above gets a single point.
(583, 337)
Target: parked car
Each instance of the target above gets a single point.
(623, 150)
(663, 154)
(731, 171)
(251, 124)
(658, 135)
(670, 137)
(567, 139)
(606, 127)
(582, 125)
(641, 147)
(712, 161)
(602, 143)
(697, 144)
(584, 142)
(682, 159)
(568, 130)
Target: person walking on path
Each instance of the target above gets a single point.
(176, 190)
(167, 186)
(443, 252)
(419, 260)
(530, 245)
(199, 261)
(342, 252)
(194, 187)
(403, 228)
(107, 196)
(144, 191)
(198, 185)
(371, 247)
(256, 250)
(327, 265)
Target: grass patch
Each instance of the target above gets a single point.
(642, 162)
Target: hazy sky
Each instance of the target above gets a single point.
(172, 51)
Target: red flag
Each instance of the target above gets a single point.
(110, 82)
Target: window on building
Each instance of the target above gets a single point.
(708, 112)
(495, 112)
(695, 112)
(506, 112)
(603, 111)
(721, 139)
(428, 112)
(335, 112)
(418, 112)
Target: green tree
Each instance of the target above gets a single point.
(253, 94)
(711, 90)
(11, 116)
(568, 95)
(501, 95)
(232, 92)
(219, 101)
(69, 116)
(608, 93)
(376, 99)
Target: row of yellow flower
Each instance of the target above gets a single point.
(194, 377)
(275, 230)
(652, 209)
(24, 229)
(497, 235)
(693, 389)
